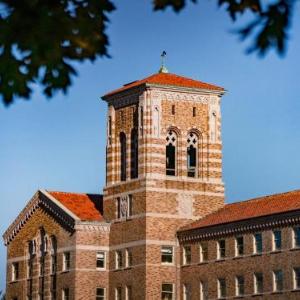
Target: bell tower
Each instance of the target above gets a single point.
(163, 170)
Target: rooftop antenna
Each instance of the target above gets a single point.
(163, 68)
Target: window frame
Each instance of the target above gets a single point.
(164, 247)
(99, 259)
(66, 261)
(118, 260)
(164, 291)
(296, 278)
(256, 249)
(296, 238)
(187, 255)
(202, 250)
(239, 248)
(276, 240)
(221, 251)
(128, 292)
(239, 285)
(258, 288)
(15, 270)
(118, 293)
(172, 144)
(101, 297)
(221, 288)
(128, 258)
(277, 287)
(65, 294)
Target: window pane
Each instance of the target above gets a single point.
(278, 280)
(100, 260)
(258, 243)
(277, 239)
(297, 278)
(167, 291)
(167, 254)
(297, 237)
(258, 283)
(240, 245)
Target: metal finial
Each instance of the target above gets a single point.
(163, 68)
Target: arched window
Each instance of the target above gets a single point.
(192, 154)
(171, 143)
(134, 157)
(123, 156)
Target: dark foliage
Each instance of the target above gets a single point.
(270, 25)
(40, 39)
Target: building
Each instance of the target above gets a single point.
(161, 229)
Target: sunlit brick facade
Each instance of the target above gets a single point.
(142, 238)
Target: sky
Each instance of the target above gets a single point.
(59, 144)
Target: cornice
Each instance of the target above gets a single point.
(93, 226)
(233, 228)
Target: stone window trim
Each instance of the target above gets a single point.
(66, 261)
(167, 291)
(277, 280)
(101, 260)
(221, 249)
(276, 240)
(100, 293)
(186, 255)
(124, 207)
(15, 271)
(296, 278)
(167, 255)
(239, 246)
(258, 283)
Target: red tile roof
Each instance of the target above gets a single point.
(258, 207)
(87, 207)
(169, 80)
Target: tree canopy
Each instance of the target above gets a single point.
(40, 40)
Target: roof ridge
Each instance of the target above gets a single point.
(73, 193)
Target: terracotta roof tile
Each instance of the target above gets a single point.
(169, 80)
(87, 207)
(258, 207)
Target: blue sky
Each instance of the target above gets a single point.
(59, 144)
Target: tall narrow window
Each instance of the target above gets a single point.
(128, 292)
(258, 283)
(187, 293)
(66, 261)
(194, 111)
(65, 294)
(187, 255)
(119, 260)
(239, 285)
(221, 249)
(296, 279)
(203, 252)
(221, 288)
(109, 130)
(167, 291)
(192, 145)
(128, 258)
(173, 109)
(171, 143)
(118, 293)
(100, 260)
(277, 280)
(134, 159)
(296, 237)
(276, 240)
(258, 247)
(15, 271)
(167, 254)
(239, 246)
(100, 293)
(203, 290)
(123, 155)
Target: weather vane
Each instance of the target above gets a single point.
(163, 69)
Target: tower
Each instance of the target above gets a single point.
(163, 170)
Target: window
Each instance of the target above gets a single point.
(124, 206)
(15, 271)
(276, 240)
(173, 109)
(134, 157)
(277, 280)
(187, 293)
(29, 268)
(194, 111)
(100, 260)
(203, 290)
(187, 256)
(128, 294)
(221, 288)
(123, 156)
(203, 251)
(239, 286)
(258, 243)
(100, 293)
(167, 254)
(128, 258)
(296, 279)
(53, 263)
(66, 261)
(167, 291)
(221, 249)
(296, 240)
(42, 266)
(118, 293)
(258, 283)
(171, 143)
(53, 295)
(239, 246)
(65, 294)
(119, 260)
(192, 146)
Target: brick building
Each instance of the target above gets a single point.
(161, 229)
